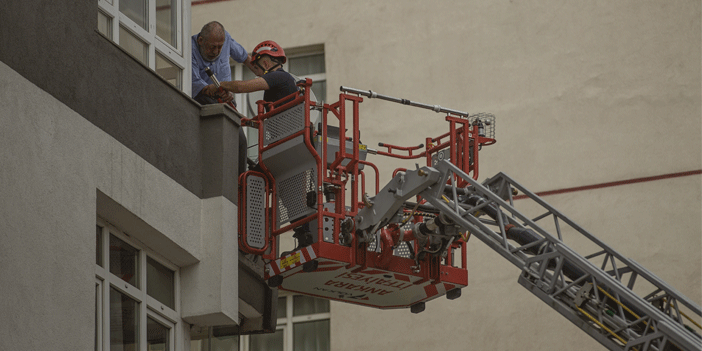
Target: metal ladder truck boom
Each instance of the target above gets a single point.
(386, 251)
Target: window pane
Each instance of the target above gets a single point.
(305, 65)
(160, 283)
(225, 343)
(309, 305)
(168, 71)
(124, 261)
(311, 336)
(157, 335)
(166, 21)
(136, 11)
(270, 342)
(133, 45)
(105, 25)
(282, 307)
(98, 245)
(319, 88)
(124, 322)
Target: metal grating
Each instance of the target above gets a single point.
(292, 195)
(488, 120)
(284, 124)
(255, 212)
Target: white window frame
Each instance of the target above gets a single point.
(178, 56)
(286, 324)
(148, 306)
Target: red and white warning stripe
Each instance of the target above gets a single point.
(435, 289)
(291, 261)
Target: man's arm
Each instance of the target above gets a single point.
(198, 84)
(245, 86)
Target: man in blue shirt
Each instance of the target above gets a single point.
(207, 49)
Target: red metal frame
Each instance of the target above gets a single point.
(462, 139)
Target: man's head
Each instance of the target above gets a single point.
(211, 40)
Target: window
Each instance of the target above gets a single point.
(303, 324)
(307, 62)
(152, 31)
(135, 295)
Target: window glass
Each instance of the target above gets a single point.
(160, 283)
(104, 24)
(166, 21)
(306, 65)
(309, 305)
(124, 261)
(311, 336)
(319, 88)
(133, 45)
(98, 245)
(136, 10)
(168, 71)
(157, 335)
(225, 343)
(124, 322)
(270, 342)
(282, 307)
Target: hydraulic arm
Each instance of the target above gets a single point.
(595, 290)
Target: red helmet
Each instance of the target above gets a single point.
(268, 47)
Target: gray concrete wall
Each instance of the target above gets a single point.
(56, 46)
(584, 93)
(54, 165)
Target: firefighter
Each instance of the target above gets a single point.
(267, 59)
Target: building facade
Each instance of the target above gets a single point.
(120, 196)
(118, 220)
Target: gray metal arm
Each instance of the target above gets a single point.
(612, 298)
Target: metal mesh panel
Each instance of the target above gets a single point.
(284, 124)
(255, 212)
(292, 195)
(488, 120)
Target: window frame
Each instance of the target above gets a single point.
(178, 55)
(287, 323)
(148, 306)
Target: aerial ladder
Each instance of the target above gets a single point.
(406, 245)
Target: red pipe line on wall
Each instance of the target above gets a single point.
(202, 2)
(611, 184)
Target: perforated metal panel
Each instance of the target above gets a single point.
(255, 212)
(402, 250)
(292, 195)
(283, 124)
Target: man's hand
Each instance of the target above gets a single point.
(225, 95)
(210, 90)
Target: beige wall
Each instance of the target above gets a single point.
(584, 93)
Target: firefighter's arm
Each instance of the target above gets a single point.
(245, 86)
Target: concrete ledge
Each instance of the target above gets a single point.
(210, 294)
